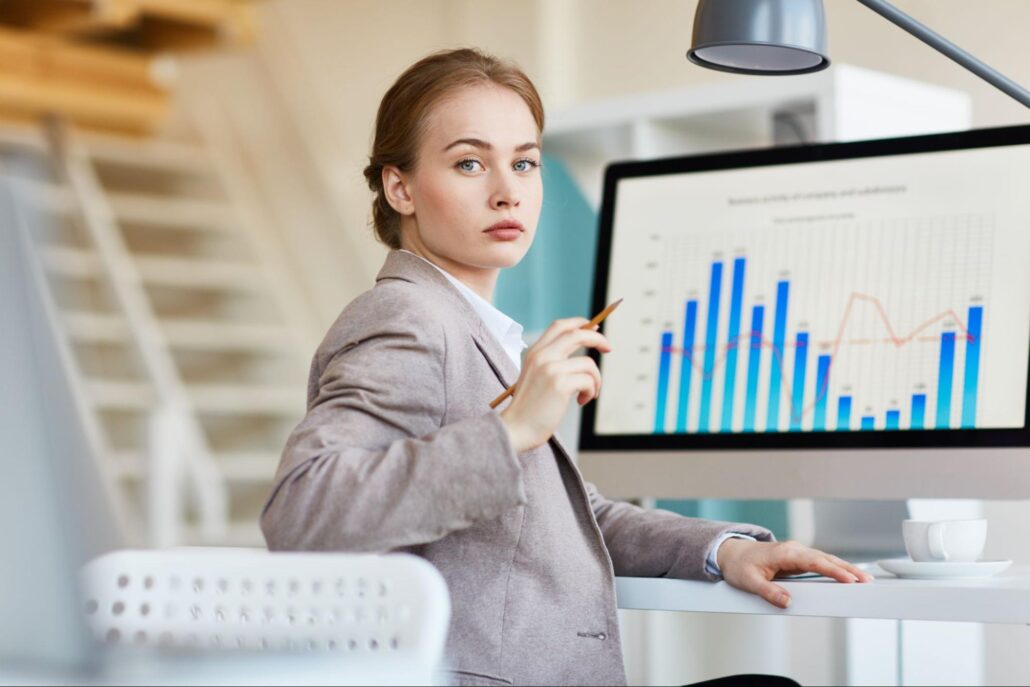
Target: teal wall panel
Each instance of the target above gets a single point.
(555, 277)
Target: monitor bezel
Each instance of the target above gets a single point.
(815, 442)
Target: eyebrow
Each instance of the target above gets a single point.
(479, 143)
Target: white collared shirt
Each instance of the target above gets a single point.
(505, 330)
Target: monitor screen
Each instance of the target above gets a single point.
(869, 294)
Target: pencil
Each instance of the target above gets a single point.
(598, 319)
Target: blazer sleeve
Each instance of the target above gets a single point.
(370, 467)
(659, 543)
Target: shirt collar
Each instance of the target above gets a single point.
(507, 331)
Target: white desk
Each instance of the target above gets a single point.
(1004, 598)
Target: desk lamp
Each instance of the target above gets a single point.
(789, 37)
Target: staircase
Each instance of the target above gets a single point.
(182, 332)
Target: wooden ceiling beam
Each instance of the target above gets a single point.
(27, 53)
(103, 63)
(117, 110)
(75, 17)
(153, 25)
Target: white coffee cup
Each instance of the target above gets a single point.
(945, 540)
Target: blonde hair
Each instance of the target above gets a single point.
(405, 107)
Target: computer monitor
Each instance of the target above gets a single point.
(52, 514)
(849, 320)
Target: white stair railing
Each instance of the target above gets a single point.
(177, 444)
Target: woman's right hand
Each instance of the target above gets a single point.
(548, 380)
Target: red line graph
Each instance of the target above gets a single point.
(893, 338)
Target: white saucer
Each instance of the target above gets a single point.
(941, 570)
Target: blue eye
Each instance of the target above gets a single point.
(462, 167)
(533, 164)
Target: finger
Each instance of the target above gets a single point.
(570, 342)
(824, 566)
(583, 385)
(581, 366)
(862, 575)
(770, 591)
(557, 328)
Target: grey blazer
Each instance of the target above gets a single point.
(399, 451)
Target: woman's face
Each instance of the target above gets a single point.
(478, 164)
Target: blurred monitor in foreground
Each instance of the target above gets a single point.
(52, 518)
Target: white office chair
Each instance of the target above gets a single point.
(389, 608)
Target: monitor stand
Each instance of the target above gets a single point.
(859, 531)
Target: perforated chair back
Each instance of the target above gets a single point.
(393, 606)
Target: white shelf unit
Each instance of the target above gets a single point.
(843, 103)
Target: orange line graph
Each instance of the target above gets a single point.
(892, 338)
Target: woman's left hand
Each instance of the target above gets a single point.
(751, 566)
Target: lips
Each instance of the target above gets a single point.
(505, 230)
(506, 224)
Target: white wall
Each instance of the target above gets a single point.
(327, 63)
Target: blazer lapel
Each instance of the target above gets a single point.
(412, 268)
(483, 341)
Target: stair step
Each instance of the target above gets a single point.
(183, 334)
(163, 155)
(247, 399)
(118, 395)
(136, 208)
(25, 137)
(193, 273)
(71, 262)
(226, 336)
(238, 467)
(187, 273)
(96, 327)
(243, 533)
(172, 212)
(215, 399)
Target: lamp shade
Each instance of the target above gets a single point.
(760, 36)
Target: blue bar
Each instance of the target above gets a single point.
(944, 380)
(893, 419)
(972, 375)
(844, 414)
(798, 400)
(822, 392)
(663, 382)
(686, 365)
(779, 358)
(868, 423)
(754, 361)
(730, 383)
(918, 411)
(710, 344)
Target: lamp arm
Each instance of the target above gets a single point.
(949, 49)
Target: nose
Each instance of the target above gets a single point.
(506, 192)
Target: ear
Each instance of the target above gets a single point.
(395, 188)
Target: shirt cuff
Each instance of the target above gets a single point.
(711, 564)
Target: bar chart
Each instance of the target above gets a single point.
(788, 368)
(839, 326)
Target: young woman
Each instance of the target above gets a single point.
(400, 451)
